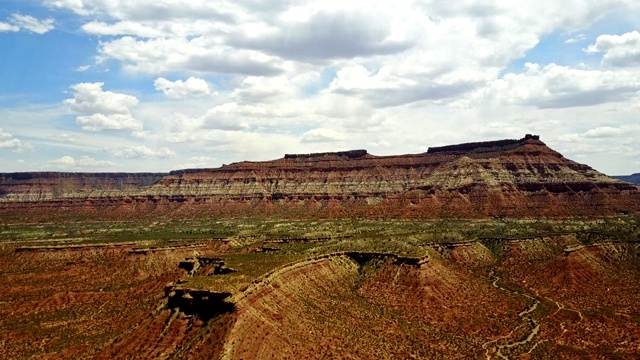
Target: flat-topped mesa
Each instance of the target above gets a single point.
(188, 171)
(504, 178)
(36, 186)
(110, 176)
(351, 154)
(483, 145)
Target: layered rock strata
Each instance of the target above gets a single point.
(510, 178)
(43, 186)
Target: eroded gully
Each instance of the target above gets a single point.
(526, 318)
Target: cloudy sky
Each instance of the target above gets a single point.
(156, 85)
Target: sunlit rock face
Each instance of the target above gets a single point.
(42, 186)
(505, 178)
(448, 304)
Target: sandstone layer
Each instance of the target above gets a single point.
(506, 178)
(546, 299)
(43, 186)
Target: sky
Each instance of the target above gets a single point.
(160, 85)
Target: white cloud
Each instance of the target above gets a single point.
(244, 144)
(388, 87)
(603, 132)
(77, 6)
(108, 110)
(32, 24)
(87, 161)
(120, 28)
(229, 116)
(619, 50)
(65, 161)
(224, 117)
(82, 68)
(341, 106)
(263, 89)
(182, 89)
(4, 27)
(82, 162)
(64, 137)
(621, 133)
(391, 77)
(200, 162)
(7, 141)
(13, 144)
(145, 9)
(387, 54)
(141, 151)
(605, 146)
(99, 122)
(555, 86)
(323, 135)
(89, 98)
(575, 39)
(377, 28)
(199, 54)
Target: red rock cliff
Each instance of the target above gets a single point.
(513, 178)
(38, 186)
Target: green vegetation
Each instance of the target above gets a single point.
(386, 232)
(257, 246)
(57, 294)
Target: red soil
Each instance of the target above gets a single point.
(546, 299)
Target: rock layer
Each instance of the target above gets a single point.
(551, 296)
(506, 178)
(446, 308)
(42, 186)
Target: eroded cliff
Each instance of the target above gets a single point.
(505, 178)
(42, 186)
(392, 289)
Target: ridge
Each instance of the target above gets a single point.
(520, 178)
(503, 144)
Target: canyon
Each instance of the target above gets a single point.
(282, 289)
(486, 250)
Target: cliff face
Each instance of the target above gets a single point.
(514, 178)
(39, 186)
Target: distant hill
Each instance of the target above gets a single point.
(518, 178)
(633, 178)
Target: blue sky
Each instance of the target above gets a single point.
(113, 85)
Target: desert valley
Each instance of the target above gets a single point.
(487, 250)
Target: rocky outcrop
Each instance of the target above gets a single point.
(530, 299)
(352, 154)
(505, 178)
(483, 146)
(205, 266)
(40, 186)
